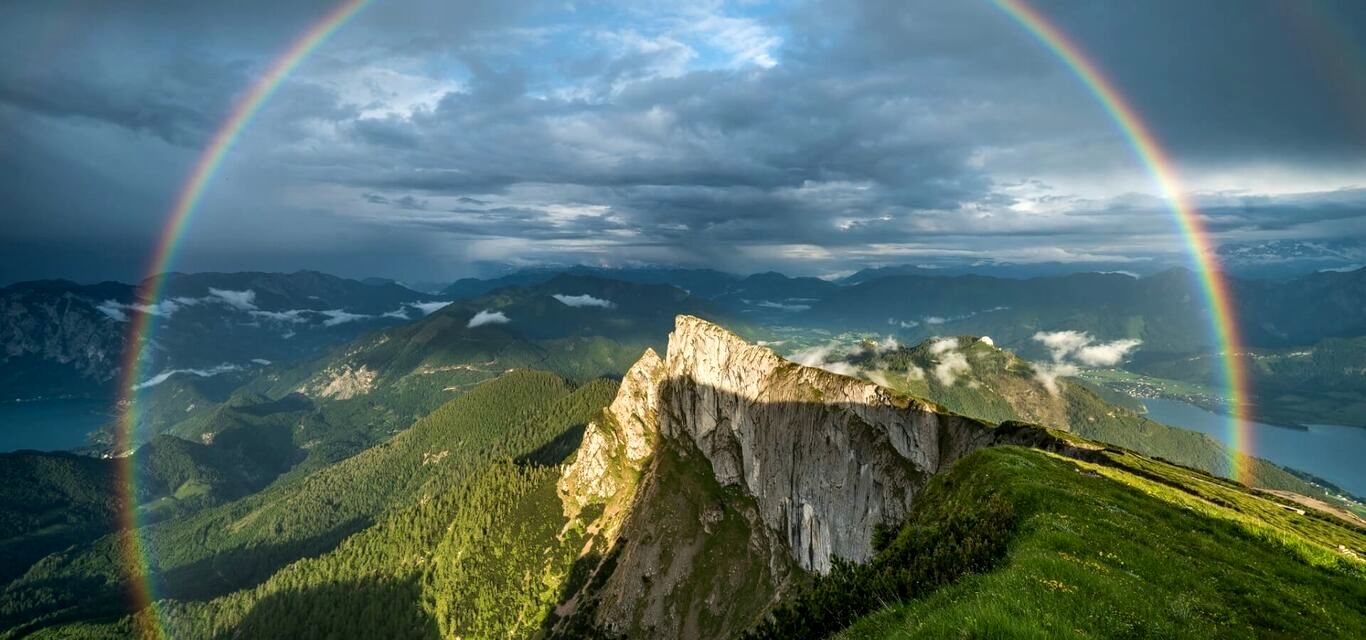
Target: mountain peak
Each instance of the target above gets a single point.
(725, 443)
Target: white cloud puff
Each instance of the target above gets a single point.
(339, 316)
(488, 317)
(119, 311)
(584, 300)
(1062, 343)
(940, 345)
(829, 357)
(1072, 349)
(244, 300)
(886, 345)
(1048, 373)
(1107, 354)
(292, 315)
(769, 304)
(1080, 346)
(427, 308)
(952, 363)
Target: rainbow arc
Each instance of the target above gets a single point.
(1215, 286)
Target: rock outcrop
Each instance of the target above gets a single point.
(616, 445)
(724, 448)
(55, 342)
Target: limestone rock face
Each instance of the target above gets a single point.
(65, 329)
(825, 457)
(724, 472)
(616, 444)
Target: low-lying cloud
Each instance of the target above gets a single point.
(428, 308)
(950, 362)
(244, 300)
(1083, 348)
(487, 317)
(119, 311)
(830, 357)
(339, 316)
(1047, 373)
(425, 308)
(293, 315)
(202, 373)
(780, 306)
(1070, 350)
(583, 300)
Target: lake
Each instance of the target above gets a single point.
(50, 425)
(1331, 452)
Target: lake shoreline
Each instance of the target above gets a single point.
(1325, 452)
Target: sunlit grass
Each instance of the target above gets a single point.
(1102, 551)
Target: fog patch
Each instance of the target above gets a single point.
(244, 300)
(338, 316)
(790, 308)
(202, 373)
(428, 308)
(581, 301)
(118, 311)
(487, 317)
(830, 357)
(292, 315)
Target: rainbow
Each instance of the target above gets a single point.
(1218, 297)
(137, 562)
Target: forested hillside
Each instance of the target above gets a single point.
(217, 552)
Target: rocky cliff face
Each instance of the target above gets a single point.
(724, 469)
(55, 343)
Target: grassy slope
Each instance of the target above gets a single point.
(1141, 550)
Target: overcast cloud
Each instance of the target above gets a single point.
(426, 137)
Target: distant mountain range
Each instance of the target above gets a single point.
(1166, 310)
(64, 339)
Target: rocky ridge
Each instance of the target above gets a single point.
(723, 447)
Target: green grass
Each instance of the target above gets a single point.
(1137, 549)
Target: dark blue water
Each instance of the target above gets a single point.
(50, 425)
(1334, 453)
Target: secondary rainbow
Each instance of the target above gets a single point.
(1218, 298)
(133, 550)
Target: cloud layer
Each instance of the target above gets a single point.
(430, 137)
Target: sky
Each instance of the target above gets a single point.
(427, 140)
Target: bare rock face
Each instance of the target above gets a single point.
(64, 329)
(616, 445)
(725, 469)
(825, 457)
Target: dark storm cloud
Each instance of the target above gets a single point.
(818, 134)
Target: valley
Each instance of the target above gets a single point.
(384, 482)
